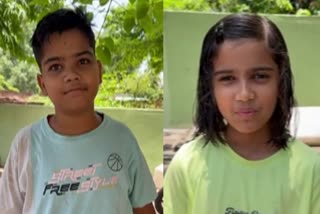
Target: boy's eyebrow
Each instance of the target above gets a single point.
(50, 59)
(83, 53)
(56, 58)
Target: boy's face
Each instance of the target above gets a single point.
(70, 74)
(245, 81)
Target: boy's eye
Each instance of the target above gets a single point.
(55, 67)
(84, 61)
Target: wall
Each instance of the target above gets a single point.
(146, 125)
(183, 35)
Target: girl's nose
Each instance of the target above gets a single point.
(244, 92)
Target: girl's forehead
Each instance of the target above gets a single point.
(243, 46)
(243, 54)
(244, 42)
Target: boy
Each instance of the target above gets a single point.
(76, 160)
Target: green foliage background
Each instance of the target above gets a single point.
(131, 36)
(298, 7)
(129, 43)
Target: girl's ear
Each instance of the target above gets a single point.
(41, 84)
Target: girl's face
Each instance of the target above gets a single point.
(245, 83)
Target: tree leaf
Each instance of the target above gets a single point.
(132, 1)
(103, 2)
(84, 1)
(39, 2)
(146, 24)
(89, 16)
(103, 53)
(142, 7)
(108, 41)
(158, 11)
(128, 23)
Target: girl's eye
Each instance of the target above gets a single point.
(84, 61)
(260, 76)
(226, 78)
(55, 68)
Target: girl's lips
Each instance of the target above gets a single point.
(246, 112)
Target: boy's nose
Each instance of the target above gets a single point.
(244, 92)
(71, 75)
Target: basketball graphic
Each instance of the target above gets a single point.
(115, 162)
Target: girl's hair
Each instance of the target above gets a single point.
(208, 120)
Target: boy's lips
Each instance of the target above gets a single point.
(75, 89)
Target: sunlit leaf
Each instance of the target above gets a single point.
(128, 23)
(90, 16)
(84, 1)
(103, 2)
(146, 23)
(103, 53)
(142, 7)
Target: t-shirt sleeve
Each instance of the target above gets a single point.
(315, 196)
(176, 189)
(14, 178)
(143, 189)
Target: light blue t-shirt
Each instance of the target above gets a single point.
(102, 171)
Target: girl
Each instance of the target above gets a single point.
(243, 158)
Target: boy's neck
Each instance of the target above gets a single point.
(253, 146)
(70, 125)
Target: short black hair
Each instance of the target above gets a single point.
(208, 120)
(60, 21)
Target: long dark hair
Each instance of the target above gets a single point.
(208, 119)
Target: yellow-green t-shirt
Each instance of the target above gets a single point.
(216, 180)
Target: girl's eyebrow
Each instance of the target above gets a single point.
(263, 68)
(254, 69)
(222, 71)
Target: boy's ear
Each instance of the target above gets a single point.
(100, 70)
(42, 85)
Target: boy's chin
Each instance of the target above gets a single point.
(76, 108)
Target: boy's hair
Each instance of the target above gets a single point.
(208, 120)
(60, 21)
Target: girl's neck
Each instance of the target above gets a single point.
(71, 125)
(251, 146)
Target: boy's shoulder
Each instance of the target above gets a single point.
(117, 127)
(23, 134)
(21, 141)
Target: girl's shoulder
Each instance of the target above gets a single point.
(300, 151)
(191, 147)
(196, 150)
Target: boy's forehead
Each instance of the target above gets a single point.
(65, 44)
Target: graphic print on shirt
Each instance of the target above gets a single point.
(115, 162)
(231, 210)
(84, 179)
